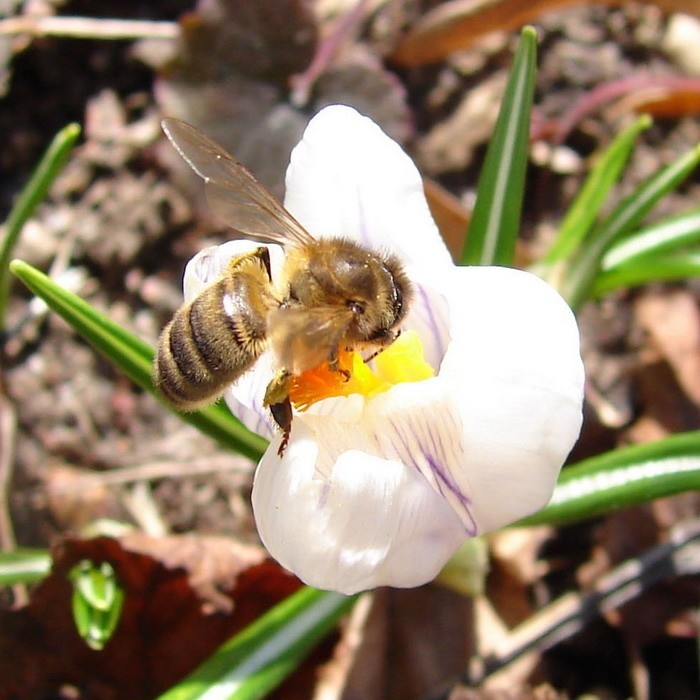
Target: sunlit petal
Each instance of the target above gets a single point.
(516, 379)
(209, 264)
(351, 522)
(347, 178)
(381, 486)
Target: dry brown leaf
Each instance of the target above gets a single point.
(628, 534)
(517, 551)
(165, 629)
(74, 498)
(659, 397)
(451, 216)
(492, 634)
(415, 642)
(669, 103)
(524, 692)
(333, 676)
(673, 322)
(645, 429)
(457, 25)
(212, 563)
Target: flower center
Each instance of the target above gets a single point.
(402, 361)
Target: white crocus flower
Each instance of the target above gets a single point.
(380, 487)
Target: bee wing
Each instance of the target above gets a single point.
(234, 195)
(302, 338)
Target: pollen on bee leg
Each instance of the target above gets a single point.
(402, 361)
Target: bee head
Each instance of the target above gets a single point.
(340, 273)
(378, 292)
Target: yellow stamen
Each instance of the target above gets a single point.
(402, 361)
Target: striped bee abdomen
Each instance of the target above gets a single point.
(216, 337)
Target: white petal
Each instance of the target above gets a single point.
(245, 397)
(347, 178)
(515, 376)
(355, 523)
(414, 424)
(491, 432)
(209, 264)
(429, 316)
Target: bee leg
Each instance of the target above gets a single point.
(334, 366)
(384, 346)
(282, 413)
(277, 399)
(264, 254)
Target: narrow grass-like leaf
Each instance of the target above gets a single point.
(667, 267)
(495, 222)
(624, 477)
(24, 566)
(584, 267)
(133, 357)
(584, 210)
(35, 190)
(671, 234)
(257, 659)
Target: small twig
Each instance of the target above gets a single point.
(8, 426)
(679, 556)
(152, 471)
(8, 432)
(89, 28)
(593, 100)
(302, 83)
(139, 501)
(334, 675)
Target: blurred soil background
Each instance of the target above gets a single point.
(125, 216)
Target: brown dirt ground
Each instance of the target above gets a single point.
(117, 217)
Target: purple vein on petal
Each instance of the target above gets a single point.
(433, 454)
(428, 317)
(399, 443)
(464, 501)
(323, 499)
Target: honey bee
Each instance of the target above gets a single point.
(332, 294)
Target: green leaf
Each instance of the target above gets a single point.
(134, 358)
(257, 659)
(467, 568)
(495, 222)
(670, 234)
(35, 190)
(24, 566)
(624, 477)
(583, 268)
(658, 268)
(97, 601)
(585, 208)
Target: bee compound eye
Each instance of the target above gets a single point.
(383, 336)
